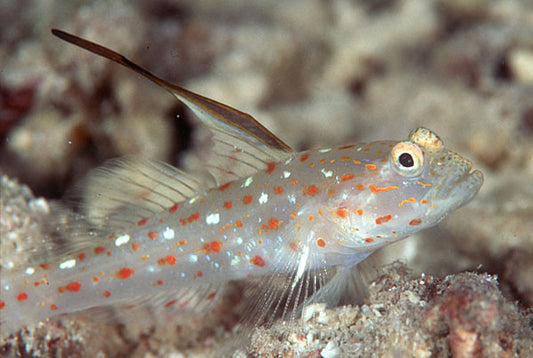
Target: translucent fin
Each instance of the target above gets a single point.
(124, 191)
(283, 296)
(242, 145)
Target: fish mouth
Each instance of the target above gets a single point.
(464, 183)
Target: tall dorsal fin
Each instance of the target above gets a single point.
(241, 144)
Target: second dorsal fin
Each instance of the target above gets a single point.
(241, 144)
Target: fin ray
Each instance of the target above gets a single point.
(228, 124)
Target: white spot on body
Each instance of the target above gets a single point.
(263, 199)
(325, 150)
(247, 182)
(286, 174)
(212, 219)
(30, 271)
(168, 233)
(327, 173)
(67, 264)
(121, 240)
(193, 258)
(292, 199)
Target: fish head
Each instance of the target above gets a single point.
(413, 185)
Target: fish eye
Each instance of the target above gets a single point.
(407, 159)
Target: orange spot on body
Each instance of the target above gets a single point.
(225, 186)
(173, 208)
(346, 177)
(74, 286)
(228, 205)
(258, 261)
(345, 159)
(342, 213)
(214, 246)
(377, 189)
(383, 219)
(2, 304)
(273, 223)
(370, 166)
(347, 146)
(99, 250)
(359, 212)
(247, 199)
(135, 246)
(124, 273)
(304, 157)
(211, 295)
(278, 190)
(22, 296)
(106, 294)
(311, 190)
(199, 274)
(142, 222)
(410, 200)
(53, 307)
(321, 242)
(193, 217)
(270, 167)
(360, 187)
(415, 222)
(152, 235)
(423, 201)
(423, 184)
(82, 256)
(369, 240)
(239, 223)
(96, 279)
(171, 303)
(44, 266)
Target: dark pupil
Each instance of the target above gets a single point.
(406, 160)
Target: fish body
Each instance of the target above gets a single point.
(156, 231)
